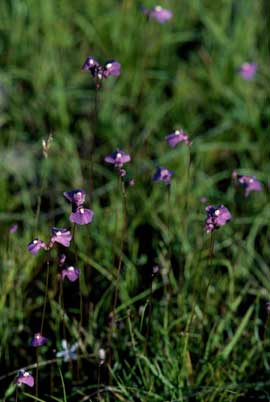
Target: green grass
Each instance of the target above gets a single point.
(201, 347)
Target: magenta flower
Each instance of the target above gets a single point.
(98, 71)
(38, 340)
(61, 236)
(216, 217)
(61, 260)
(163, 174)
(111, 68)
(26, 378)
(203, 200)
(158, 13)
(91, 65)
(76, 197)
(249, 184)
(248, 70)
(35, 245)
(13, 228)
(176, 137)
(72, 273)
(81, 216)
(118, 158)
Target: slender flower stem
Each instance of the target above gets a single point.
(188, 182)
(168, 286)
(81, 306)
(210, 258)
(62, 305)
(42, 187)
(80, 285)
(37, 370)
(149, 322)
(93, 124)
(113, 314)
(99, 378)
(46, 295)
(121, 246)
(16, 398)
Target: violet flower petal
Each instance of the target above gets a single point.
(25, 378)
(118, 158)
(76, 197)
(38, 340)
(35, 245)
(81, 216)
(216, 217)
(61, 236)
(113, 68)
(158, 13)
(248, 70)
(163, 174)
(176, 137)
(72, 273)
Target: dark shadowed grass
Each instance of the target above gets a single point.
(180, 74)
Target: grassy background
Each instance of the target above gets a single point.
(180, 74)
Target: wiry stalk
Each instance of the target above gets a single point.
(113, 315)
(149, 321)
(93, 124)
(99, 377)
(62, 305)
(37, 371)
(188, 182)
(46, 295)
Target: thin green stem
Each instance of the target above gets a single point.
(188, 182)
(46, 295)
(210, 258)
(149, 321)
(43, 182)
(37, 370)
(113, 314)
(62, 306)
(99, 378)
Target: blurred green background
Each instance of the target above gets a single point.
(182, 74)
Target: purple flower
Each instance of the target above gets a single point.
(158, 13)
(81, 216)
(248, 70)
(61, 259)
(111, 68)
(26, 378)
(38, 340)
(72, 273)
(118, 158)
(163, 174)
(216, 217)
(203, 200)
(91, 65)
(177, 136)
(13, 228)
(249, 184)
(35, 245)
(61, 236)
(76, 197)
